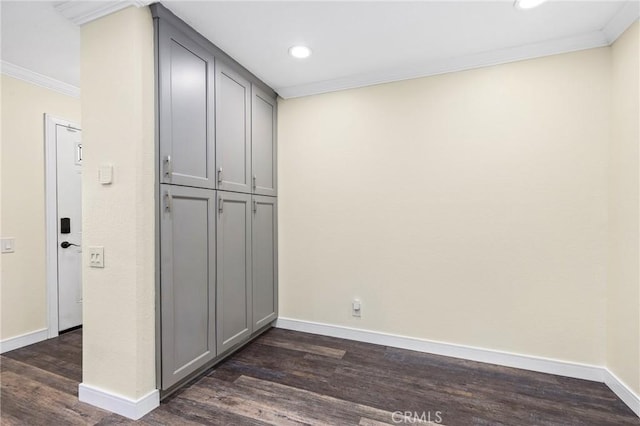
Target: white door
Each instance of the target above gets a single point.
(69, 209)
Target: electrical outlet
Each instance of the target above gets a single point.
(356, 308)
(96, 257)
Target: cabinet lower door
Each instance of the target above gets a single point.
(264, 260)
(233, 269)
(187, 282)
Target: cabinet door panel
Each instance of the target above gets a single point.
(263, 143)
(187, 281)
(233, 269)
(264, 260)
(233, 138)
(186, 75)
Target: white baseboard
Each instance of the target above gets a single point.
(490, 356)
(623, 391)
(132, 409)
(23, 340)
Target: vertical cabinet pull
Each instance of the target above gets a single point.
(168, 166)
(167, 201)
(254, 182)
(220, 204)
(255, 206)
(220, 175)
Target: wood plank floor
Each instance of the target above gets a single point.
(292, 378)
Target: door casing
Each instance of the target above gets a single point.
(51, 218)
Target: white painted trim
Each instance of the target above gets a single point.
(81, 12)
(623, 391)
(23, 340)
(51, 217)
(628, 13)
(448, 65)
(127, 407)
(490, 356)
(32, 77)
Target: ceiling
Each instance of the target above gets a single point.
(354, 43)
(36, 37)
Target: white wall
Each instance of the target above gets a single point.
(23, 285)
(118, 129)
(623, 296)
(467, 208)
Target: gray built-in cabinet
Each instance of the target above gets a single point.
(263, 153)
(186, 105)
(233, 130)
(217, 206)
(187, 270)
(234, 268)
(264, 232)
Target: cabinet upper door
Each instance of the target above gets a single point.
(233, 138)
(186, 106)
(263, 143)
(187, 282)
(233, 269)
(264, 258)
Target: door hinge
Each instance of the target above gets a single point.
(167, 201)
(168, 166)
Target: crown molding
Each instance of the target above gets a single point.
(81, 12)
(623, 19)
(628, 13)
(448, 65)
(32, 77)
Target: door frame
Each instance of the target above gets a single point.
(51, 216)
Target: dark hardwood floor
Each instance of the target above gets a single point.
(292, 378)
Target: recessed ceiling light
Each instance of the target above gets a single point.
(300, 52)
(528, 4)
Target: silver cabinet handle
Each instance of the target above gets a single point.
(255, 185)
(255, 206)
(168, 166)
(220, 175)
(167, 201)
(220, 204)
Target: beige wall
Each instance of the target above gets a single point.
(118, 129)
(623, 308)
(467, 208)
(23, 289)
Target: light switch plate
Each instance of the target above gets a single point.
(8, 245)
(105, 174)
(96, 257)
